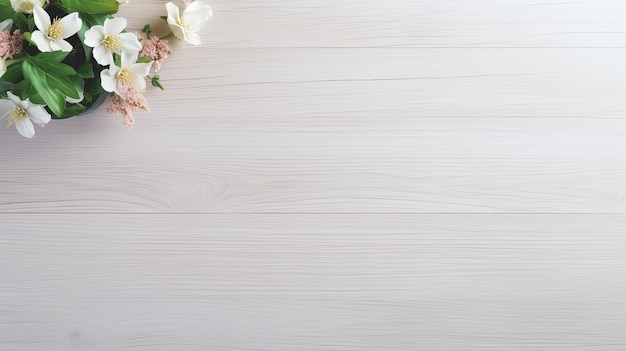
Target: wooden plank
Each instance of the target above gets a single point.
(404, 23)
(479, 166)
(291, 87)
(316, 282)
(334, 130)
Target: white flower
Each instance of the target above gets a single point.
(185, 26)
(3, 67)
(23, 114)
(51, 36)
(109, 39)
(27, 6)
(6, 25)
(130, 74)
(123, 2)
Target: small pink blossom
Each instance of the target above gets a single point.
(10, 44)
(128, 102)
(155, 48)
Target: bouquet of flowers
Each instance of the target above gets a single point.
(62, 58)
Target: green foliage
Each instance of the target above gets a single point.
(4, 87)
(85, 70)
(144, 59)
(92, 7)
(88, 22)
(51, 79)
(6, 11)
(156, 83)
(72, 110)
(14, 72)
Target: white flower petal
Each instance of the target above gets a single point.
(38, 114)
(3, 67)
(94, 36)
(71, 24)
(26, 6)
(15, 100)
(102, 55)
(6, 25)
(4, 114)
(194, 39)
(26, 128)
(42, 19)
(6, 106)
(43, 43)
(81, 97)
(61, 45)
(196, 15)
(173, 13)
(108, 80)
(130, 42)
(129, 58)
(115, 25)
(140, 84)
(141, 69)
(179, 31)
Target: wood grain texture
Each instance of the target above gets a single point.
(411, 23)
(334, 130)
(350, 175)
(317, 282)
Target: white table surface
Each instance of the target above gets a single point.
(349, 175)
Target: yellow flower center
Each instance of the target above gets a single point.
(55, 31)
(126, 76)
(18, 114)
(112, 43)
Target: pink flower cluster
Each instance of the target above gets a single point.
(155, 48)
(10, 44)
(130, 101)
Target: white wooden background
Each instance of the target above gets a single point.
(336, 175)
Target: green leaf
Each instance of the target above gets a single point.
(92, 7)
(51, 79)
(27, 36)
(156, 83)
(5, 86)
(24, 23)
(54, 56)
(72, 110)
(147, 29)
(6, 11)
(14, 73)
(25, 90)
(144, 59)
(86, 70)
(93, 87)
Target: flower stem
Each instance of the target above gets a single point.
(10, 62)
(169, 36)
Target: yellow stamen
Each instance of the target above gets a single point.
(55, 31)
(126, 76)
(112, 43)
(18, 114)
